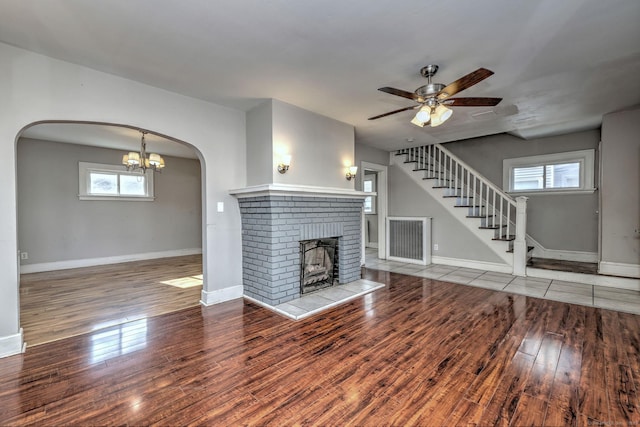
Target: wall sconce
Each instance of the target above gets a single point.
(284, 165)
(351, 173)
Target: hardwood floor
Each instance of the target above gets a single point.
(64, 303)
(417, 352)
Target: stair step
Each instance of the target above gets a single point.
(529, 249)
(469, 206)
(426, 169)
(452, 196)
(480, 216)
(492, 227)
(410, 161)
(505, 238)
(444, 186)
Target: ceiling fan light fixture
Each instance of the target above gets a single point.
(440, 115)
(424, 115)
(417, 122)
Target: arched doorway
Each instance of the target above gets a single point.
(99, 261)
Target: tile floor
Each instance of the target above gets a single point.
(557, 290)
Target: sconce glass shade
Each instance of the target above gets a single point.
(284, 164)
(440, 115)
(353, 170)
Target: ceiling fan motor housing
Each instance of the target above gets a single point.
(429, 90)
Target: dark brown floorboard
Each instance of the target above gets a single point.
(417, 352)
(561, 265)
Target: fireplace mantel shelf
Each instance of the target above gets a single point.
(297, 190)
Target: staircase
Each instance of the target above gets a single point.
(484, 209)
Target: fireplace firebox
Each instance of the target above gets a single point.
(318, 264)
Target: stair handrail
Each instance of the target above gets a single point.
(519, 204)
(481, 177)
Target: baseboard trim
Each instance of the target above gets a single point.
(540, 251)
(372, 245)
(566, 255)
(221, 295)
(12, 344)
(91, 262)
(619, 269)
(478, 265)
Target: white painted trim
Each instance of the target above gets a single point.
(588, 279)
(619, 269)
(426, 239)
(12, 344)
(296, 190)
(90, 262)
(221, 295)
(85, 168)
(468, 263)
(540, 251)
(549, 192)
(586, 158)
(383, 203)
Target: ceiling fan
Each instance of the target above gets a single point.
(433, 98)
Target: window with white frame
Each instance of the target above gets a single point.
(369, 186)
(560, 172)
(110, 182)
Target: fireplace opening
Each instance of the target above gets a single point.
(318, 264)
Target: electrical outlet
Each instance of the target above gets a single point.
(24, 255)
(435, 246)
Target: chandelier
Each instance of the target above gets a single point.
(139, 160)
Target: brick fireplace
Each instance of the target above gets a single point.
(277, 219)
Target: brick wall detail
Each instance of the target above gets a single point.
(272, 228)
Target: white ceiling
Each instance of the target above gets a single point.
(559, 65)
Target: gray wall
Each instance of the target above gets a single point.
(54, 225)
(406, 198)
(562, 222)
(620, 187)
(259, 145)
(365, 153)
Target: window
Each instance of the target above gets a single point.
(369, 186)
(110, 182)
(561, 172)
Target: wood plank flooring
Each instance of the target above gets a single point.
(563, 265)
(417, 352)
(64, 303)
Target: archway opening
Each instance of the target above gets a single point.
(90, 263)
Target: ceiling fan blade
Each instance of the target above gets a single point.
(394, 112)
(399, 92)
(471, 102)
(464, 82)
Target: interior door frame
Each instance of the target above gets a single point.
(382, 204)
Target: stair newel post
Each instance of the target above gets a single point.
(520, 243)
(450, 173)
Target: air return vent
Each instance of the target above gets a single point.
(409, 239)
